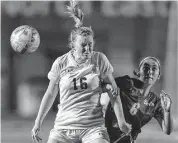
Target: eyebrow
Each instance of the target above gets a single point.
(146, 64)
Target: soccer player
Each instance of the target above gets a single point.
(77, 75)
(140, 104)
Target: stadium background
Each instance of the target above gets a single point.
(125, 31)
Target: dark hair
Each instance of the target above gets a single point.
(137, 72)
(76, 13)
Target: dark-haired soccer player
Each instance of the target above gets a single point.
(139, 103)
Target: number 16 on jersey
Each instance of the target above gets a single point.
(82, 83)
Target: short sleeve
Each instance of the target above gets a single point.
(159, 113)
(54, 73)
(104, 65)
(124, 82)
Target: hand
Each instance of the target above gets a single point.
(35, 132)
(165, 101)
(109, 87)
(115, 90)
(125, 127)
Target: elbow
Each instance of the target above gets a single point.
(168, 127)
(168, 131)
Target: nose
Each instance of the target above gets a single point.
(150, 71)
(87, 48)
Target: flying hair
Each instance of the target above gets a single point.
(76, 13)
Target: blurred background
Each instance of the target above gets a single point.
(126, 31)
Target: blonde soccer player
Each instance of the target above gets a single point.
(77, 75)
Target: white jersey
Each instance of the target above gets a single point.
(80, 90)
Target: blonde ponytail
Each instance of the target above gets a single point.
(76, 13)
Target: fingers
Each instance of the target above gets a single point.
(165, 97)
(165, 101)
(129, 128)
(35, 136)
(126, 128)
(115, 91)
(109, 87)
(163, 93)
(34, 139)
(38, 138)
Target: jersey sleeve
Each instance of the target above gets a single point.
(54, 73)
(104, 65)
(123, 82)
(159, 113)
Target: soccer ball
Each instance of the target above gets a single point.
(25, 39)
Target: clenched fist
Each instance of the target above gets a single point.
(125, 127)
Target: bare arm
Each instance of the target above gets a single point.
(47, 101)
(167, 123)
(163, 113)
(116, 103)
(104, 100)
(166, 104)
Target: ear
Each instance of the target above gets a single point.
(159, 76)
(71, 46)
(93, 42)
(73, 49)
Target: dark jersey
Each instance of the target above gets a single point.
(137, 111)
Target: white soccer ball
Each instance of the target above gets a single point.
(25, 39)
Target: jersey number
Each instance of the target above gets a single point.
(135, 108)
(83, 85)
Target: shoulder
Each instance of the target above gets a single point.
(137, 83)
(123, 82)
(98, 54)
(128, 82)
(61, 59)
(100, 58)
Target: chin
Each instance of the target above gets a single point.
(149, 82)
(86, 57)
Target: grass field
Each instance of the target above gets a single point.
(18, 130)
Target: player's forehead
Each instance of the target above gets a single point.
(85, 39)
(150, 63)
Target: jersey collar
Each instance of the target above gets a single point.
(74, 63)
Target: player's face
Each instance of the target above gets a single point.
(84, 46)
(149, 71)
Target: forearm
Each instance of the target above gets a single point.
(167, 123)
(118, 109)
(116, 100)
(45, 106)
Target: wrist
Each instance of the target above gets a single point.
(37, 121)
(166, 110)
(121, 123)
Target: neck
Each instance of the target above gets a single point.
(77, 58)
(146, 89)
